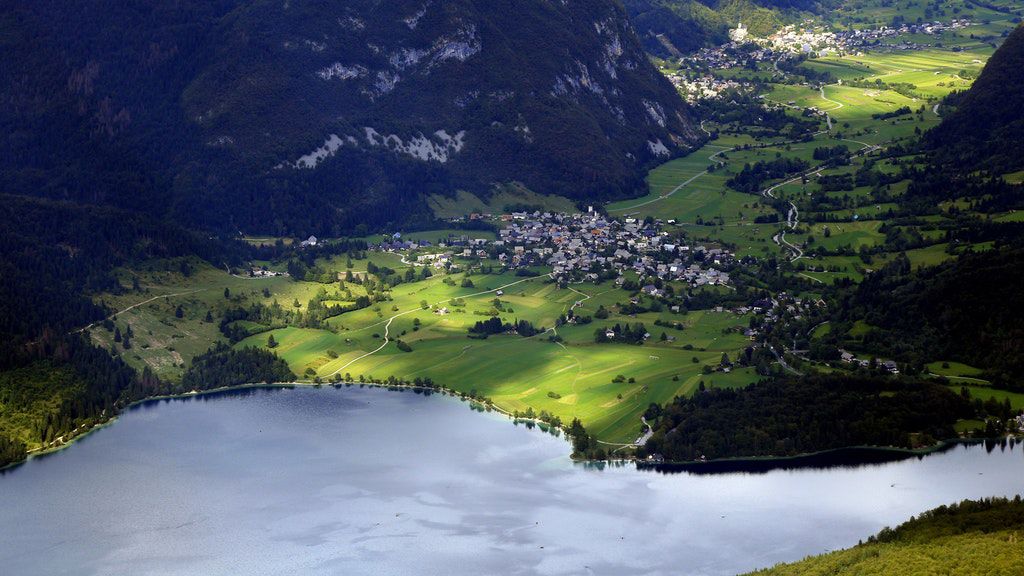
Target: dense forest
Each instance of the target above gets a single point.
(989, 515)
(792, 416)
(967, 309)
(52, 381)
(63, 386)
(223, 366)
(985, 130)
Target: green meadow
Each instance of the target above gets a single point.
(570, 378)
(985, 393)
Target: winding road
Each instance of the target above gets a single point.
(793, 215)
(711, 158)
(782, 362)
(838, 105)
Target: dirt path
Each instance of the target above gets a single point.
(134, 306)
(811, 278)
(827, 99)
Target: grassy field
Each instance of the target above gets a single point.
(985, 393)
(571, 378)
(852, 234)
(702, 205)
(952, 369)
(860, 14)
(687, 173)
(934, 72)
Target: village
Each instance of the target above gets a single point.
(582, 247)
(808, 39)
(704, 86)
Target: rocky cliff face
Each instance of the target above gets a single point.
(292, 115)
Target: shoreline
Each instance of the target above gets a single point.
(42, 452)
(722, 465)
(820, 458)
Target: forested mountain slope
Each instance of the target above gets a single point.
(674, 27)
(966, 310)
(986, 128)
(315, 116)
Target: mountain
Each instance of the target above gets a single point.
(293, 116)
(985, 130)
(677, 27)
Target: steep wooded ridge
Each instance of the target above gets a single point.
(675, 27)
(986, 129)
(314, 116)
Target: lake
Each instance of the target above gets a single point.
(369, 481)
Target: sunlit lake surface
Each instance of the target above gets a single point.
(369, 481)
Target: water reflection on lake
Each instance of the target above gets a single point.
(367, 481)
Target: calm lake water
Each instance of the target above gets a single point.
(367, 481)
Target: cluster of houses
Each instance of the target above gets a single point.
(589, 246)
(888, 365)
(850, 39)
(804, 40)
(704, 86)
(729, 55)
(264, 272)
(794, 40)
